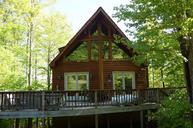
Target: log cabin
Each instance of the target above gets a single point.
(96, 59)
(95, 83)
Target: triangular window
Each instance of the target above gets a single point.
(118, 53)
(79, 54)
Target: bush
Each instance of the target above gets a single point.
(175, 111)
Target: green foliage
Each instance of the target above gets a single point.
(6, 123)
(175, 111)
(22, 22)
(11, 76)
(156, 27)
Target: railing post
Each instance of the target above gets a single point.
(43, 101)
(157, 95)
(95, 99)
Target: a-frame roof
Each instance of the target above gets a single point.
(99, 11)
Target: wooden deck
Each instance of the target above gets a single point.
(33, 104)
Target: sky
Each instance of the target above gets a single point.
(79, 11)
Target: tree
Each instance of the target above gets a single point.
(11, 77)
(53, 32)
(26, 36)
(167, 19)
(174, 111)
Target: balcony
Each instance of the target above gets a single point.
(30, 104)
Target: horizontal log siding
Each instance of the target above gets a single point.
(66, 67)
(92, 68)
(110, 66)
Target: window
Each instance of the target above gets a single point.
(79, 54)
(76, 81)
(94, 51)
(106, 50)
(123, 80)
(118, 54)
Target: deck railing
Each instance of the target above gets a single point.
(55, 100)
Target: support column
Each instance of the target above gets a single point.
(96, 121)
(43, 122)
(141, 119)
(131, 123)
(48, 122)
(16, 123)
(36, 123)
(29, 123)
(108, 122)
(69, 122)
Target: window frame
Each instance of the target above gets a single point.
(123, 80)
(76, 74)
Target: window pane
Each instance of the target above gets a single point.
(106, 50)
(94, 51)
(71, 82)
(79, 54)
(118, 81)
(128, 81)
(82, 82)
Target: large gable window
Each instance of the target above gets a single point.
(123, 80)
(94, 51)
(118, 53)
(79, 54)
(76, 81)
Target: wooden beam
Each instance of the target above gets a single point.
(43, 122)
(131, 123)
(68, 122)
(108, 122)
(17, 123)
(141, 119)
(89, 45)
(96, 121)
(110, 43)
(77, 112)
(36, 125)
(95, 38)
(29, 123)
(100, 60)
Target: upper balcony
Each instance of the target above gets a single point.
(29, 104)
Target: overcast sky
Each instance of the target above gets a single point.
(79, 11)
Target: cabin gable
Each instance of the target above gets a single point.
(94, 55)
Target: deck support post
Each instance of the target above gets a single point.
(29, 123)
(141, 119)
(131, 123)
(96, 121)
(68, 122)
(16, 123)
(43, 101)
(36, 123)
(43, 122)
(108, 122)
(95, 99)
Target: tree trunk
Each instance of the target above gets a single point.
(186, 47)
(16, 123)
(35, 72)
(162, 77)
(30, 56)
(48, 69)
